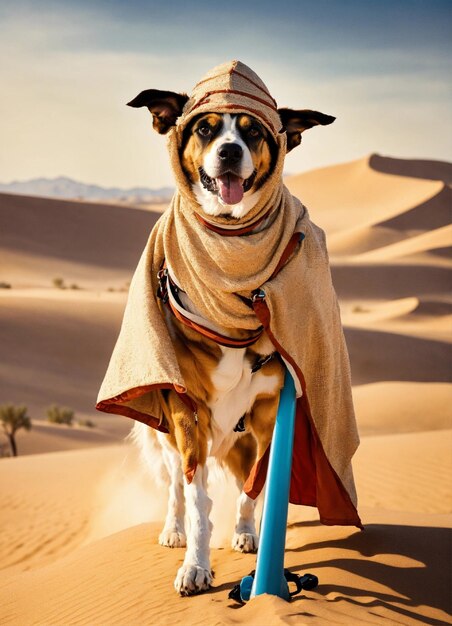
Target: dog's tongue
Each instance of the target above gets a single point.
(230, 188)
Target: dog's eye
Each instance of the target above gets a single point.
(254, 132)
(204, 131)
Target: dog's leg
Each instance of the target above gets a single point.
(240, 460)
(190, 437)
(262, 421)
(195, 574)
(173, 533)
(245, 537)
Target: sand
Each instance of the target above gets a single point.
(79, 518)
(55, 573)
(352, 194)
(82, 243)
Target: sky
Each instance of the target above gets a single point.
(382, 67)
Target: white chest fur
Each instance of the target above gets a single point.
(236, 389)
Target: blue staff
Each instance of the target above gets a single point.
(270, 575)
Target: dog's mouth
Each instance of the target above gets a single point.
(229, 187)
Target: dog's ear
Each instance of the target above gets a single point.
(295, 122)
(165, 106)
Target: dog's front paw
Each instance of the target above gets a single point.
(245, 542)
(172, 539)
(192, 579)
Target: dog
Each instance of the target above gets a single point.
(226, 158)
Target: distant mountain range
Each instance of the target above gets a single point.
(63, 187)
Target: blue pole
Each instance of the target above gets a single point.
(269, 576)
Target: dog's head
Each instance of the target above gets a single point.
(226, 157)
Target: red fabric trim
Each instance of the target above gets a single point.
(207, 95)
(254, 112)
(256, 480)
(136, 392)
(233, 232)
(127, 411)
(111, 404)
(232, 70)
(288, 251)
(314, 482)
(206, 80)
(235, 106)
(229, 342)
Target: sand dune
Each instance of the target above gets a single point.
(402, 407)
(46, 504)
(430, 241)
(86, 243)
(45, 437)
(123, 577)
(55, 346)
(426, 318)
(351, 194)
(428, 223)
(415, 168)
(378, 356)
(79, 527)
(389, 280)
(359, 240)
(377, 311)
(60, 357)
(394, 297)
(365, 578)
(378, 243)
(429, 215)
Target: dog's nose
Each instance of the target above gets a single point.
(230, 153)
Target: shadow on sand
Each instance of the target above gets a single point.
(426, 583)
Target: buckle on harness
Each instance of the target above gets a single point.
(258, 295)
(263, 360)
(162, 290)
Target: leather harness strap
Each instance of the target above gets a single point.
(231, 232)
(168, 290)
(289, 250)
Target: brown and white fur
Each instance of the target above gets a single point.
(220, 152)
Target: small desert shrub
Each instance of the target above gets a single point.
(4, 285)
(60, 415)
(12, 419)
(74, 286)
(121, 289)
(87, 423)
(360, 309)
(59, 283)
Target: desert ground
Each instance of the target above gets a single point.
(79, 516)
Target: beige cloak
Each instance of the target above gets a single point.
(221, 266)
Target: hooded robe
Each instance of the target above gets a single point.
(274, 251)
